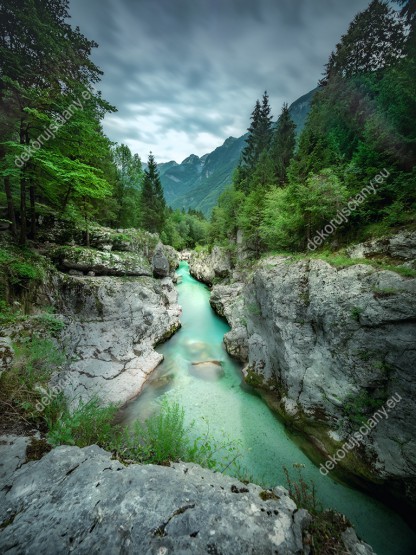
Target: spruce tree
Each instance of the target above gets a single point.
(375, 40)
(283, 144)
(153, 205)
(258, 141)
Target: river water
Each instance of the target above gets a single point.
(215, 394)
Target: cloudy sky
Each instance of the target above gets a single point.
(185, 74)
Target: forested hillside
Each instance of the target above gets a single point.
(56, 159)
(198, 182)
(352, 173)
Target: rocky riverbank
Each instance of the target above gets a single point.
(330, 345)
(114, 301)
(82, 501)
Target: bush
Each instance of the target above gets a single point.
(89, 424)
(163, 438)
(24, 386)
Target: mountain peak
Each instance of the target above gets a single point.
(192, 159)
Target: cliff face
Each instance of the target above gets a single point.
(112, 309)
(112, 326)
(332, 347)
(83, 501)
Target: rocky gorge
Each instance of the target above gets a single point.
(329, 342)
(114, 301)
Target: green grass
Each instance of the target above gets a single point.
(24, 387)
(161, 439)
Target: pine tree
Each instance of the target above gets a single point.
(375, 40)
(283, 144)
(258, 141)
(153, 205)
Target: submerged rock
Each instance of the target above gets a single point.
(198, 350)
(210, 370)
(82, 501)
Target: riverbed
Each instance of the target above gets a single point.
(212, 394)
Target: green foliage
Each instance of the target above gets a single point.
(161, 439)
(302, 492)
(25, 385)
(19, 266)
(184, 229)
(51, 324)
(90, 423)
(360, 407)
(356, 312)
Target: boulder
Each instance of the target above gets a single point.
(209, 266)
(82, 501)
(160, 263)
(82, 260)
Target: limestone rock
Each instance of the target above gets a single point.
(6, 354)
(160, 263)
(112, 325)
(82, 260)
(339, 343)
(400, 246)
(81, 501)
(207, 267)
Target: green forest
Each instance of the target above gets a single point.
(359, 136)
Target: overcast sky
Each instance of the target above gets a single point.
(185, 74)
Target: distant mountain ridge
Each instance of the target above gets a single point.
(198, 181)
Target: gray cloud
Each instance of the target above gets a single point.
(185, 74)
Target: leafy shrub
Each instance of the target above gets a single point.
(89, 424)
(302, 492)
(24, 386)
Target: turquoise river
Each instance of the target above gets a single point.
(229, 407)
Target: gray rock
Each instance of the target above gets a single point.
(13, 455)
(206, 267)
(160, 263)
(112, 325)
(329, 337)
(6, 354)
(401, 246)
(80, 261)
(82, 501)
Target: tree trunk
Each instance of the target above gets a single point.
(32, 195)
(23, 228)
(10, 207)
(22, 240)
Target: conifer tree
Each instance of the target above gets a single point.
(283, 144)
(258, 141)
(375, 40)
(153, 205)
